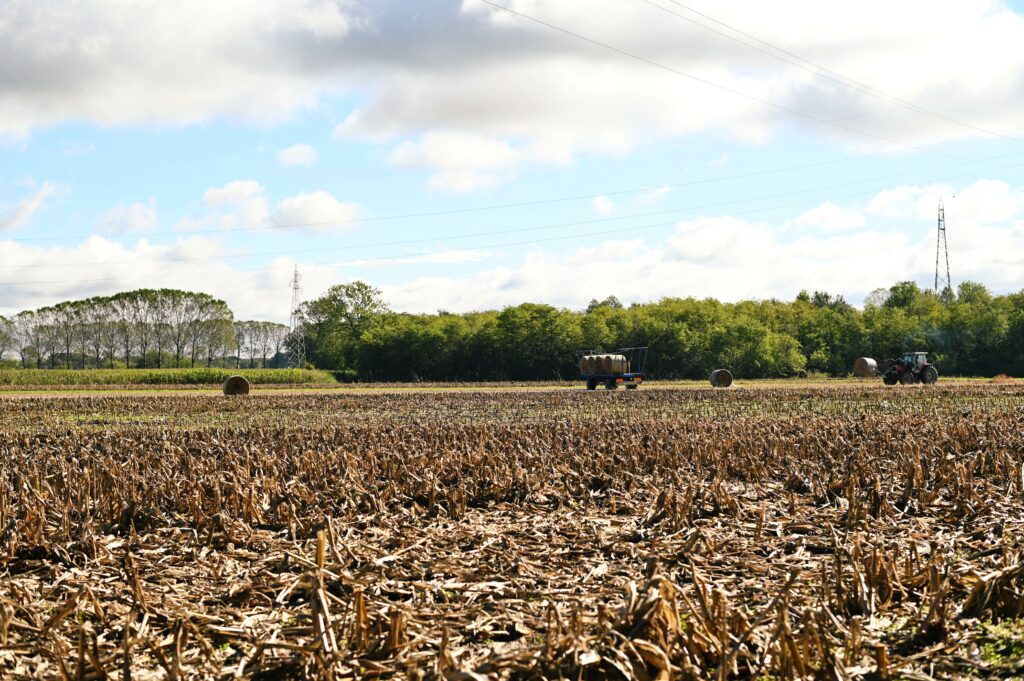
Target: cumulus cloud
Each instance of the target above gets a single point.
(984, 202)
(828, 217)
(725, 256)
(132, 218)
(315, 210)
(731, 258)
(240, 204)
(463, 161)
(36, 276)
(148, 62)
(18, 215)
(298, 155)
(470, 69)
(243, 204)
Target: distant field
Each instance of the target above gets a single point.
(46, 381)
(74, 378)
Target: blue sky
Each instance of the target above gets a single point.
(461, 157)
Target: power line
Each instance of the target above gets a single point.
(405, 242)
(817, 69)
(621, 230)
(492, 207)
(710, 83)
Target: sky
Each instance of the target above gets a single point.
(474, 154)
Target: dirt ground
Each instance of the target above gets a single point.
(838, 531)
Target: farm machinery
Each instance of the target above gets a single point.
(625, 367)
(907, 369)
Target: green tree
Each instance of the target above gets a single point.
(334, 323)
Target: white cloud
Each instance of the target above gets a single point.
(149, 62)
(983, 202)
(132, 217)
(298, 155)
(36, 276)
(719, 162)
(243, 204)
(463, 161)
(603, 205)
(315, 210)
(732, 259)
(470, 69)
(18, 215)
(828, 217)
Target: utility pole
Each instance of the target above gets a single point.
(942, 250)
(297, 340)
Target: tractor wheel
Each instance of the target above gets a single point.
(890, 378)
(591, 384)
(907, 378)
(930, 375)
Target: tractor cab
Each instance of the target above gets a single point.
(915, 360)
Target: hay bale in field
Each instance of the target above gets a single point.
(721, 378)
(865, 367)
(236, 385)
(587, 365)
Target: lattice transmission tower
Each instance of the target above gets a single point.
(297, 339)
(942, 251)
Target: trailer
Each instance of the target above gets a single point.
(624, 367)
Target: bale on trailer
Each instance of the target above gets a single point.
(617, 364)
(236, 385)
(721, 378)
(865, 367)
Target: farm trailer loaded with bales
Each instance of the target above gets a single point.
(625, 367)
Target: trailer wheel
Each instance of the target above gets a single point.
(591, 384)
(632, 386)
(610, 384)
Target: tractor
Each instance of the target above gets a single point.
(911, 367)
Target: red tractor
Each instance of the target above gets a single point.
(912, 367)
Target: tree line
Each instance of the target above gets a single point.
(146, 328)
(969, 332)
(351, 330)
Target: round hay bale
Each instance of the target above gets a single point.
(721, 378)
(236, 385)
(618, 364)
(865, 367)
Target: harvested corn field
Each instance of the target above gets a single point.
(848, 532)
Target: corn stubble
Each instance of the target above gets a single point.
(832, 533)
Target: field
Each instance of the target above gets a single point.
(848, 531)
(77, 379)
